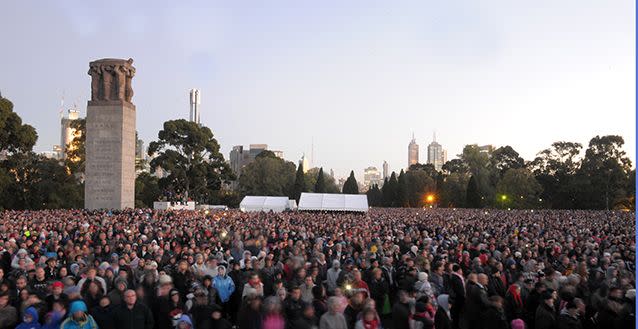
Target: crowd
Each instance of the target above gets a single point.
(388, 268)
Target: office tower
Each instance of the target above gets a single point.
(413, 152)
(67, 133)
(305, 165)
(385, 170)
(437, 156)
(371, 176)
(195, 101)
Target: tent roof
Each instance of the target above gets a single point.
(264, 203)
(333, 202)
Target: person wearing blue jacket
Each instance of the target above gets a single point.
(184, 322)
(79, 317)
(30, 319)
(224, 284)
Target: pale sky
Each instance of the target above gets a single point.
(357, 76)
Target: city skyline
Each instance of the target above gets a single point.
(523, 75)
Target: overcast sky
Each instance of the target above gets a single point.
(357, 76)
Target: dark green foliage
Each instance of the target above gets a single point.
(190, 155)
(300, 184)
(320, 185)
(269, 176)
(375, 196)
(351, 186)
(147, 190)
(473, 198)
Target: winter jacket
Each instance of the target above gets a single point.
(70, 323)
(33, 324)
(225, 287)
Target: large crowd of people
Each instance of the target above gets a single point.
(387, 268)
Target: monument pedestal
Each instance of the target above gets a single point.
(110, 155)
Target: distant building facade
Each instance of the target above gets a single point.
(241, 157)
(386, 170)
(67, 133)
(413, 152)
(371, 176)
(437, 156)
(195, 102)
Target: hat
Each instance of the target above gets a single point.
(164, 279)
(414, 249)
(173, 292)
(72, 290)
(104, 265)
(57, 284)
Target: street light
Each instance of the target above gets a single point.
(430, 198)
(503, 197)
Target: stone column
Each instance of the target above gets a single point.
(110, 138)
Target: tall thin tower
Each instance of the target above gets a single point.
(195, 100)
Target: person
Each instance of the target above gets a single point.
(569, 317)
(514, 307)
(477, 302)
(131, 314)
(53, 319)
(401, 311)
(423, 317)
(250, 313)
(442, 315)
(253, 287)
(332, 276)
(218, 321)
(545, 314)
(457, 295)
(8, 313)
(56, 294)
(494, 317)
(224, 286)
(369, 319)
(319, 300)
(78, 317)
(308, 320)
(184, 322)
(29, 319)
(272, 317)
(333, 319)
(293, 305)
(103, 313)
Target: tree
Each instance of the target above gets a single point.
(485, 176)
(299, 185)
(147, 190)
(39, 183)
(505, 158)
(267, 175)
(320, 185)
(606, 169)
(555, 169)
(473, 198)
(190, 155)
(518, 189)
(14, 135)
(76, 150)
(419, 184)
(375, 196)
(402, 191)
(351, 186)
(455, 166)
(454, 190)
(390, 191)
(311, 181)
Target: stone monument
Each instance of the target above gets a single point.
(110, 136)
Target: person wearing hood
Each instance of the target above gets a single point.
(442, 316)
(332, 275)
(117, 295)
(514, 307)
(30, 319)
(184, 322)
(217, 321)
(78, 317)
(494, 316)
(225, 287)
(422, 286)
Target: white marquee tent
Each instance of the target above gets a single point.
(264, 203)
(333, 202)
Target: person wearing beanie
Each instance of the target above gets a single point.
(57, 294)
(518, 324)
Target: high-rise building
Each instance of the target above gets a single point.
(141, 165)
(437, 156)
(67, 133)
(195, 101)
(386, 173)
(413, 152)
(332, 173)
(240, 157)
(371, 176)
(305, 165)
(486, 148)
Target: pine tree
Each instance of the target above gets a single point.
(320, 186)
(351, 186)
(402, 191)
(375, 197)
(300, 184)
(390, 191)
(473, 198)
